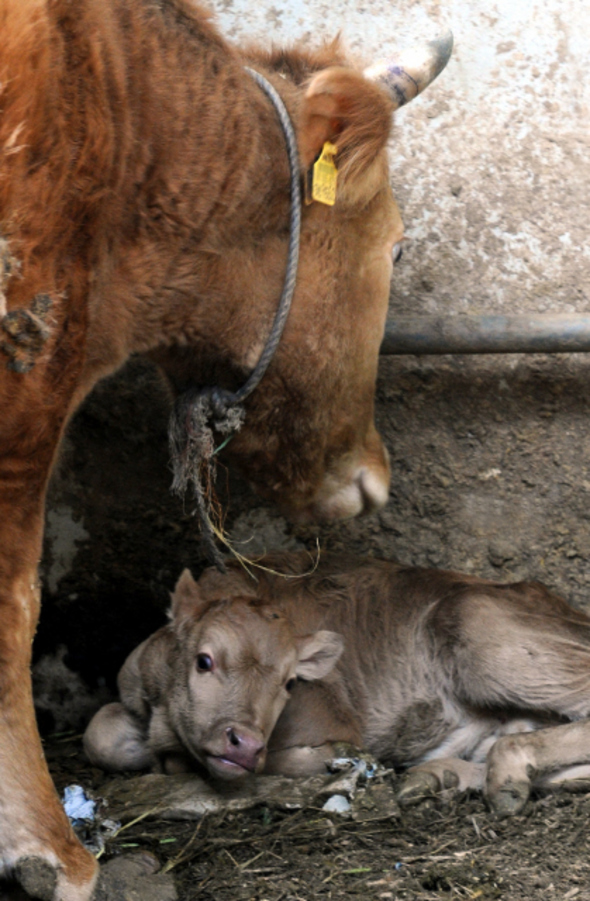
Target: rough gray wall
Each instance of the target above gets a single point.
(490, 455)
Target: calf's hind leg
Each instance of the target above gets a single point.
(115, 740)
(516, 762)
(525, 648)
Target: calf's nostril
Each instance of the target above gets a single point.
(246, 743)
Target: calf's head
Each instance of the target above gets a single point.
(235, 663)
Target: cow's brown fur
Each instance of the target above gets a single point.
(144, 201)
(438, 671)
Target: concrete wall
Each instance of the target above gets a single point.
(490, 455)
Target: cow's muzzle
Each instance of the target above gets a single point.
(362, 487)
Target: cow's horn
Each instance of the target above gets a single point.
(407, 74)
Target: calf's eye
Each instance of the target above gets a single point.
(204, 663)
(290, 685)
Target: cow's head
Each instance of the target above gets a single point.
(236, 663)
(309, 441)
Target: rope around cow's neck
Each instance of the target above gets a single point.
(199, 412)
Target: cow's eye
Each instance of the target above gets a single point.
(204, 663)
(396, 252)
(290, 685)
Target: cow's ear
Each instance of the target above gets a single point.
(343, 107)
(186, 598)
(318, 654)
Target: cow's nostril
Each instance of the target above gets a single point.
(233, 737)
(374, 489)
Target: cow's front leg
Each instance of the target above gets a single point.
(516, 762)
(37, 843)
(435, 776)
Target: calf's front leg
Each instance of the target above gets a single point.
(314, 722)
(299, 761)
(435, 776)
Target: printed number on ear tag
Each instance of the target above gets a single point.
(324, 176)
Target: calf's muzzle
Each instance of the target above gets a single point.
(243, 751)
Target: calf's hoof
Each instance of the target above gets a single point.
(510, 798)
(419, 785)
(134, 877)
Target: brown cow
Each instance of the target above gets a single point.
(439, 671)
(145, 208)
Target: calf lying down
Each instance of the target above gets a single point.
(470, 683)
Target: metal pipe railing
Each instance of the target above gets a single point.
(547, 333)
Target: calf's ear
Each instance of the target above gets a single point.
(343, 107)
(318, 654)
(186, 598)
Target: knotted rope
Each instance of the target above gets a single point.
(200, 413)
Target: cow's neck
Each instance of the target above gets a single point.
(207, 207)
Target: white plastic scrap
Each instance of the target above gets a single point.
(352, 772)
(358, 764)
(77, 805)
(91, 828)
(337, 804)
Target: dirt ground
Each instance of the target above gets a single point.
(451, 849)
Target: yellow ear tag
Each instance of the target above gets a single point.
(324, 176)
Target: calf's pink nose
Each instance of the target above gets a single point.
(244, 747)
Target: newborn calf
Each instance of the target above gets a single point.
(441, 672)
(209, 687)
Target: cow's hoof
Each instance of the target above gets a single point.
(510, 798)
(134, 877)
(37, 878)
